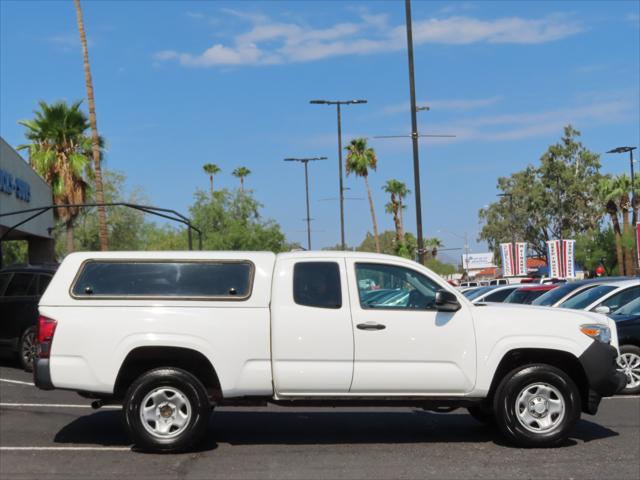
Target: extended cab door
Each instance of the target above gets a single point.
(403, 345)
(311, 334)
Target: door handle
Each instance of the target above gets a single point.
(371, 326)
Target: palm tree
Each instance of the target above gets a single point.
(398, 191)
(240, 173)
(434, 244)
(611, 191)
(360, 159)
(211, 169)
(60, 152)
(95, 138)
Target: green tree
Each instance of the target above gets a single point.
(555, 199)
(96, 143)
(241, 173)
(433, 244)
(232, 221)
(594, 246)
(14, 251)
(360, 160)
(60, 152)
(398, 190)
(211, 169)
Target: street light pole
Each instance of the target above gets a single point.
(338, 103)
(306, 161)
(414, 134)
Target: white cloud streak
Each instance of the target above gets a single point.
(269, 42)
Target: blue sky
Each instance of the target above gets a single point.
(180, 84)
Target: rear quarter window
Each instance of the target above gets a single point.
(167, 279)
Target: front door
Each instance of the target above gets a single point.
(311, 335)
(403, 345)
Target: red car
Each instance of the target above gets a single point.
(528, 294)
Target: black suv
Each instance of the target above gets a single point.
(20, 290)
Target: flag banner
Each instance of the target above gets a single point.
(553, 258)
(568, 258)
(521, 258)
(508, 267)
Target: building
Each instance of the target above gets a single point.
(22, 188)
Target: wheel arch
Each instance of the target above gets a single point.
(143, 359)
(563, 360)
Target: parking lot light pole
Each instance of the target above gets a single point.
(306, 161)
(338, 103)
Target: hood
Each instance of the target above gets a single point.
(561, 314)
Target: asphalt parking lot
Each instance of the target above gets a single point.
(57, 435)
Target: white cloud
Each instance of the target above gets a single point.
(269, 42)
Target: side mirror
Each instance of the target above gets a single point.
(603, 309)
(446, 301)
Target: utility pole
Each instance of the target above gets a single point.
(306, 161)
(338, 103)
(414, 134)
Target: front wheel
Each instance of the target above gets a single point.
(629, 363)
(537, 406)
(166, 409)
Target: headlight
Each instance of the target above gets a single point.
(597, 332)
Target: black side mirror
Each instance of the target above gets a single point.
(446, 301)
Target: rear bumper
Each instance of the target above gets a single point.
(599, 364)
(42, 374)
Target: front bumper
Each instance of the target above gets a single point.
(42, 374)
(599, 364)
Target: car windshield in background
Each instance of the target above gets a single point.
(523, 296)
(584, 299)
(553, 296)
(476, 292)
(631, 308)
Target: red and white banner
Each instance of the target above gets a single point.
(508, 267)
(554, 258)
(521, 258)
(568, 258)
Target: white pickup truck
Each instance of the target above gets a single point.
(172, 334)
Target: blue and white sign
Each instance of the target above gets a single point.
(11, 185)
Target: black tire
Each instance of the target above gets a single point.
(483, 413)
(632, 353)
(191, 398)
(526, 386)
(27, 349)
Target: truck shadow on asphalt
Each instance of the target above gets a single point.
(107, 428)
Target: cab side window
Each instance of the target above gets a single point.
(392, 287)
(317, 284)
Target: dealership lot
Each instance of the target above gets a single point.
(57, 435)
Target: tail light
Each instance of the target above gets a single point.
(45, 331)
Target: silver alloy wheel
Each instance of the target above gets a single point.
(629, 364)
(165, 412)
(540, 407)
(28, 348)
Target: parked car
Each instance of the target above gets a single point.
(526, 295)
(20, 290)
(564, 292)
(627, 320)
(172, 334)
(496, 293)
(605, 298)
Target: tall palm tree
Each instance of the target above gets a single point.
(211, 169)
(398, 191)
(60, 152)
(611, 191)
(95, 138)
(434, 244)
(360, 159)
(240, 173)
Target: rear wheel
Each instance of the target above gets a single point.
(27, 349)
(629, 363)
(167, 409)
(537, 406)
